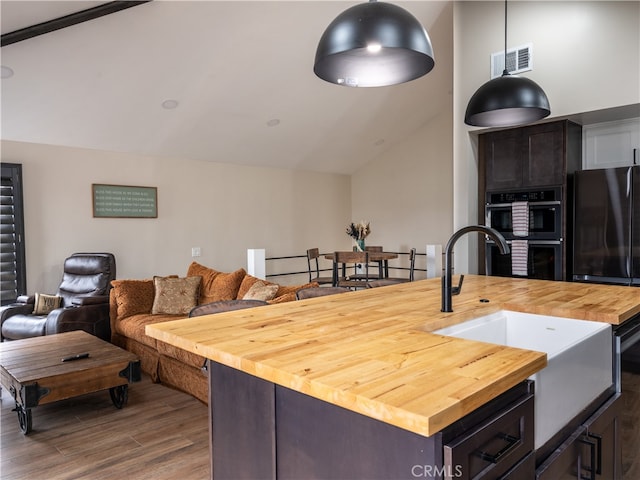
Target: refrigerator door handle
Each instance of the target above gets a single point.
(633, 184)
(630, 194)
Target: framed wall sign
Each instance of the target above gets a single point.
(124, 201)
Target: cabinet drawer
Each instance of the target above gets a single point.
(565, 461)
(524, 470)
(493, 447)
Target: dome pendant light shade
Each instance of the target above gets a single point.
(508, 100)
(373, 44)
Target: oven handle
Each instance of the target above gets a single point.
(531, 242)
(531, 204)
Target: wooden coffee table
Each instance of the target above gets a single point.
(34, 372)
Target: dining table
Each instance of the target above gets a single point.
(381, 258)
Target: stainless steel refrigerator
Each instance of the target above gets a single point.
(606, 226)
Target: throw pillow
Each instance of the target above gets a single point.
(175, 296)
(133, 296)
(216, 285)
(247, 282)
(45, 304)
(261, 291)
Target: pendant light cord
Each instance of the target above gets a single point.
(505, 72)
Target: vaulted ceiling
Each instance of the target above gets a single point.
(236, 75)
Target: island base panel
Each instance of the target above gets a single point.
(316, 439)
(261, 430)
(242, 429)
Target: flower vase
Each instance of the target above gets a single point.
(360, 245)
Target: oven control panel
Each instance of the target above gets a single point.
(526, 196)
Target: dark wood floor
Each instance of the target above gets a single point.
(161, 434)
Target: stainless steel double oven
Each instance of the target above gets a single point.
(544, 236)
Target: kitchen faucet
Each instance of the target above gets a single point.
(447, 290)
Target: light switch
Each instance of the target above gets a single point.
(195, 251)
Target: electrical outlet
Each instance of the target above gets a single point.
(195, 252)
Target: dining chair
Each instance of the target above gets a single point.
(379, 266)
(314, 268)
(344, 262)
(395, 280)
(382, 266)
(224, 306)
(313, 292)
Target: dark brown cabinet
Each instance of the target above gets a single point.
(494, 448)
(593, 450)
(564, 463)
(604, 431)
(503, 159)
(529, 157)
(524, 161)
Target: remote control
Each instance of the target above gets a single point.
(75, 357)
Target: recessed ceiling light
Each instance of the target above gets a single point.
(6, 72)
(170, 104)
(273, 122)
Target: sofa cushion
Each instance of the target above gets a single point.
(261, 291)
(134, 327)
(287, 289)
(175, 296)
(216, 285)
(287, 297)
(133, 296)
(287, 293)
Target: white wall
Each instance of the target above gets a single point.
(586, 58)
(406, 194)
(221, 208)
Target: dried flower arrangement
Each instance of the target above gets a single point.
(359, 231)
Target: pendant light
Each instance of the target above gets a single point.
(373, 44)
(507, 100)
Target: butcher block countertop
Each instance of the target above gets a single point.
(371, 352)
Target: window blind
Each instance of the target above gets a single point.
(12, 265)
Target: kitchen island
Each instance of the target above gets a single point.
(370, 354)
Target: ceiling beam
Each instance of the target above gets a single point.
(67, 21)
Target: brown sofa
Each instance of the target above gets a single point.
(137, 303)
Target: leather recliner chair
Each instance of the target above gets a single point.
(84, 292)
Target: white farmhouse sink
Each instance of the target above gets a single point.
(579, 360)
